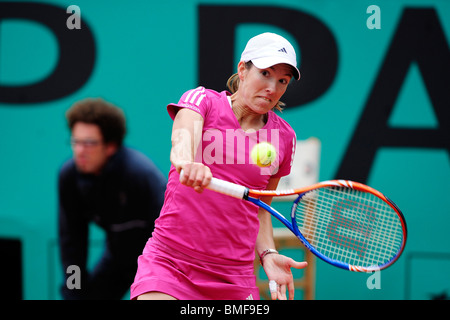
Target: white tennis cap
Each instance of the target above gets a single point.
(268, 49)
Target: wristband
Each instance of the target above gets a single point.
(266, 252)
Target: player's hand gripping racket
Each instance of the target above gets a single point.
(347, 224)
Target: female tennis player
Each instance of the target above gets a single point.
(204, 243)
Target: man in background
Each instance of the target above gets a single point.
(116, 187)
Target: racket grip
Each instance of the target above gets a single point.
(225, 187)
(228, 188)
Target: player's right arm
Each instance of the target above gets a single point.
(186, 136)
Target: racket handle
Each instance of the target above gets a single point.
(228, 188)
(225, 187)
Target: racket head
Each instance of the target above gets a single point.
(350, 225)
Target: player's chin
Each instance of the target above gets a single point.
(263, 107)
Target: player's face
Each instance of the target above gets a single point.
(89, 151)
(262, 88)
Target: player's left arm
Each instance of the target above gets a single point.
(277, 267)
(265, 235)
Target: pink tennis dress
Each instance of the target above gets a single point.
(203, 245)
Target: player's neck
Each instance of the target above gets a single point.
(248, 119)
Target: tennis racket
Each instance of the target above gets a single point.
(347, 224)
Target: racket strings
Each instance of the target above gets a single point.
(348, 225)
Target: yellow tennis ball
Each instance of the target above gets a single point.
(263, 154)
